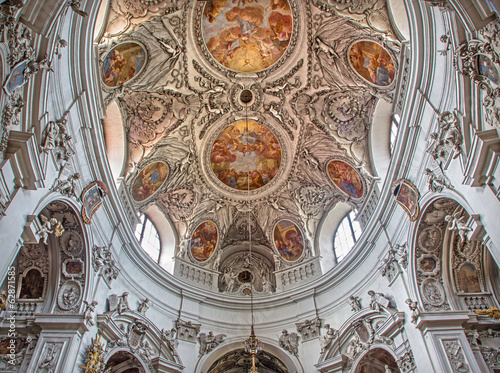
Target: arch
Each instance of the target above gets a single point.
(377, 358)
(327, 229)
(65, 285)
(123, 361)
(114, 137)
(449, 270)
(291, 362)
(380, 134)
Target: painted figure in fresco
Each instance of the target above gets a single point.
(291, 245)
(245, 35)
(32, 285)
(372, 62)
(246, 155)
(203, 241)
(468, 279)
(149, 180)
(122, 63)
(346, 178)
(487, 69)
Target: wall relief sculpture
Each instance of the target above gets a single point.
(480, 60)
(240, 274)
(428, 254)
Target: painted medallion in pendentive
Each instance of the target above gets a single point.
(407, 196)
(246, 155)
(71, 243)
(204, 241)
(346, 178)
(288, 240)
(247, 38)
(487, 68)
(372, 63)
(122, 63)
(149, 180)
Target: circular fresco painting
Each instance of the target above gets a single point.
(288, 240)
(247, 38)
(149, 180)
(372, 62)
(203, 241)
(487, 68)
(245, 155)
(122, 63)
(346, 178)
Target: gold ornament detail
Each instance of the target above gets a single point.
(493, 313)
(95, 357)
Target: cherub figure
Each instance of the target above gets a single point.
(413, 305)
(458, 223)
(46, 228)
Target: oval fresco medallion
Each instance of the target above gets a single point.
(245, 156)
(487, 68)
(288, 240)
(122, 63)
(149, 180)
(346, 178)
(204, 241)
(247, 38)
(372, 62)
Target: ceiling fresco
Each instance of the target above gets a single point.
(247, 38)
(245, 155)
(246, 119)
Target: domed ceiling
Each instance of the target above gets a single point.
(246, 119)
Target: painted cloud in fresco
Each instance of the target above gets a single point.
(247, 38)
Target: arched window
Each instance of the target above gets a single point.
(147, 235)
(394, 131)
(346, 236)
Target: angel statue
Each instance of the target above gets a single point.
(458, 222)
(47, 226)
(209, 342)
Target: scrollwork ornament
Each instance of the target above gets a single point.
(468, 59)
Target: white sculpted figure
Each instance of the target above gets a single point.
(290, 342)
(327, 340)
(458, 223)
(46, 228)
